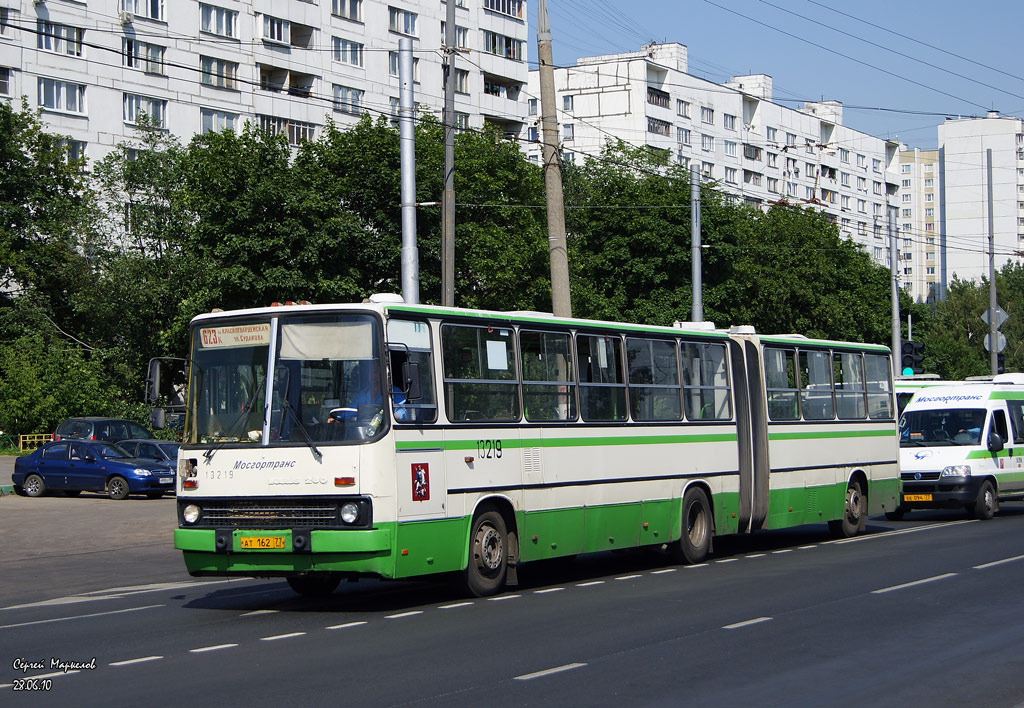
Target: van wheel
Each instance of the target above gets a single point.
(986, 505)
(695, 541)
(488, 555)
(854, 513)
(117, 488)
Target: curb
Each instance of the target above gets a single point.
(6, 490)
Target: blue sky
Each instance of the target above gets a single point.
(975, 64)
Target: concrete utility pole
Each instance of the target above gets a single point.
(448, 195)
(897, 354)
(407, 144)
(697, 307)
(993, 305)
(560, 298)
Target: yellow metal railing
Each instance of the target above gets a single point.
(31, 442)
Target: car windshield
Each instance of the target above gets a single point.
(942, 427)
(109, 451)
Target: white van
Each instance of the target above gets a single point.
(962, 445)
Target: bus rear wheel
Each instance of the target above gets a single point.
(695, 541)
(488, 555)
(313, 586)
(855, 513)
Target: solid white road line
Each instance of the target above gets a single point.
(548, 672)
(140, 660)
(74, 617)
(998, 562)
(215, 647)
(912, 584)
(746, 623)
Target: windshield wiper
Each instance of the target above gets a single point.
(302, 428)
(237, 424)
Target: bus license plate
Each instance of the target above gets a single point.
(917, 497)
(262, 542)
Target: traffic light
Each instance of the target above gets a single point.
(911, 358)
(1000, 363)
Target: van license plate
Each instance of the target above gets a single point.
(262, 542)
(917, 497)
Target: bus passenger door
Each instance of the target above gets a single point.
(752, 434)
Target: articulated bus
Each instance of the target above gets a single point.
(502, 438)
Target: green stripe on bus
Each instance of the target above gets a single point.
(1006, 396)
(985, 454)
(825, 434)
(510, 443)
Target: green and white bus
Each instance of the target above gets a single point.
(509, 437)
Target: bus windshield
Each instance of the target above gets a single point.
(941, 427)
(326, 386)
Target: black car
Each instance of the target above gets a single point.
(74, 466)
(98, 428)
(162, 451)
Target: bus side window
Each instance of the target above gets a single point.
(409, 342)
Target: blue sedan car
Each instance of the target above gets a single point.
(73, 466)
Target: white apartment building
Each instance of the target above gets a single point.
(920, 240)
(94, 66)
(964, 211)
(755, 149)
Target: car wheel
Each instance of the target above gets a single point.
(154, 495)
(117, 488)
(34, 486)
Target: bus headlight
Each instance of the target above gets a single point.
(957, 471)
(190, 514)
(349, 512)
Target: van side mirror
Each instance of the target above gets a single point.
(411, 381)
(995, 442)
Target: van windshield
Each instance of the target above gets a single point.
(942, 427)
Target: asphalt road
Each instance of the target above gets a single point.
(921, 612)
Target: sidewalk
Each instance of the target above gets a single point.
(6, 468)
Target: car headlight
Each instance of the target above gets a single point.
(349, 512)
(957, 471)
(142, 472)
(190, 514)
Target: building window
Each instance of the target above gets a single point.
(752, 178)
(219, 21)
(809, 170)
(503, 46)
(683, 136)
(532, 107)
(730, 147)
(531, 133)
(844, 203)
(567, 104)
(682, 159)
(461, 35)
(213, 121)
(5, 81)
(877, 187)
(402, 21)
(773, 160)
(348, 52)
(930, 211)
(276, 30)
(59, 39)
(770, 133)
(297, 131)
(152, 9)
(136, 106)
(707, 169)
(512, 8)
(905, 184)
(567, 131)
(773, 185)
(348, 100)
(5, 22)
(929, 227)
(393, 66)
(348, 9)
(75, 149)
(682, 108)
(929, 182)
(791, 139)
(707, 143)
(219, 73)
(142, 55)
(929, 197)
(862, 185)
(461, 80)
(61, 96)
(844, 179)
(905, 169)
(461, 122)
(730, 175)
(862, 228)
(658, 127)
(862, 161)
(876, 165)
(809, 193)
(907, 212)
(657, 97)
(862, 206)
(707, 115)
(751, 152)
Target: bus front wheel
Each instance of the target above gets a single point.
(855, 513)
(488, 555)
(695, 541)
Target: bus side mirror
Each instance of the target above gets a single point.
(157, 419)
(411, 381)
(153, 382)
(995, 442)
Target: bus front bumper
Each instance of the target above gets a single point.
(279, 552)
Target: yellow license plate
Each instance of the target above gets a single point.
(917, 497)
(262, 542)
